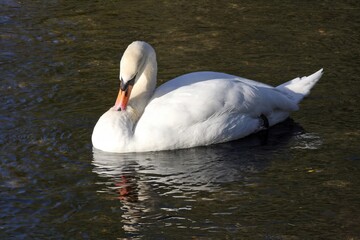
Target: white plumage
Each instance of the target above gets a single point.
(195, 109)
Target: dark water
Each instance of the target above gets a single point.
(58, 73)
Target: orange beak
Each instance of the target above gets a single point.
(123, 98)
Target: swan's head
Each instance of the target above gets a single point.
(132, 65)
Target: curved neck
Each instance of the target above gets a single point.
(144, 87)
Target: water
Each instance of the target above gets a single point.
(58, 73)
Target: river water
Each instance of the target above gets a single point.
(59, 72)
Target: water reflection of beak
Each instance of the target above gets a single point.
(128, 191)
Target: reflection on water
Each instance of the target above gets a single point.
(59, 72)
(139, 180)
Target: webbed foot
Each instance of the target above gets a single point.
(265, 122)
(264, 126)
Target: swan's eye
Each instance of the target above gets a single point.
(132, 81)
(124, 86)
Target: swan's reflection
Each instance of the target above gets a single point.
(140, 180)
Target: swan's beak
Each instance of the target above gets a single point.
(123, 98)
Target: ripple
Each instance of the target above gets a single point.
(309, 141)
(58, 66)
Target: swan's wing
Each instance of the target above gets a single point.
(214, 110)
(206, 93)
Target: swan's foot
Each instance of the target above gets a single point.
(265, 122)
(264, 125)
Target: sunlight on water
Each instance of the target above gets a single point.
(308, 141)
(59, 73)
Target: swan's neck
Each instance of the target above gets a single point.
(143, 88)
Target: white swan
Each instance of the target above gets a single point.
(195, 109)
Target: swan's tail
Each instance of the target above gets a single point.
(298, 88)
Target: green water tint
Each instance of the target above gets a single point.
(59, 73)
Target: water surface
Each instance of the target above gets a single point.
(58, 73)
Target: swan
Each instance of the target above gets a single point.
(195, 109)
